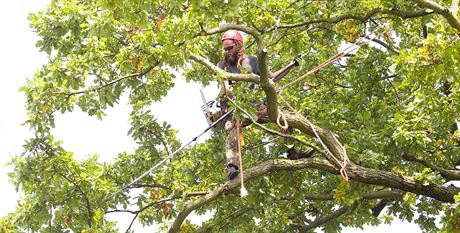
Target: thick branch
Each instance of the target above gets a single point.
(377, 209)
(372, 176)
(447, 13)
(267, 86)
(445, 173)
(454, 7)
(388, 179)
(357, 173)
(362, 18)
(261, 169)
(229, 76)
(369, 195)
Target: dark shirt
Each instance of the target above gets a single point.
(249, 64)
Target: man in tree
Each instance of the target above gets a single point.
(236, 61)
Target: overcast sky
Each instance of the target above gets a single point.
(81, 134)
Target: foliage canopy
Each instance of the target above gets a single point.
(391, 108)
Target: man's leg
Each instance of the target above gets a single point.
(231, 149)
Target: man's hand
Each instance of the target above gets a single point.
(296, 61)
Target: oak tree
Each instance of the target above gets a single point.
(382, 118)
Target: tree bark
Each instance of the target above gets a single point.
(261, 169)
(358, 173)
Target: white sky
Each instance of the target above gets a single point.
(81, 134)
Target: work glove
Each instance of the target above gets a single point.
(296, 61)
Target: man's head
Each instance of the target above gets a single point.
(233, 35)
(232, 42)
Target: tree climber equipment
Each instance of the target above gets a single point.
(236, 35)
(210, 113)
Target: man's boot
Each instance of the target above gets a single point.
(232, 171)
(294, 155)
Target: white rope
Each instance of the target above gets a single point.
(282, 117)
(343, 170)
(243, 191)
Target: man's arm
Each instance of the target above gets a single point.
(279, 74)
(225, 88)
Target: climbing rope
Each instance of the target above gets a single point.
(343, 165)
(243, 191)
(167, 158)
(343, 169)
(281, 117)
(282, 122)
(350, 48)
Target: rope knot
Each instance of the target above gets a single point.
(281, 121)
